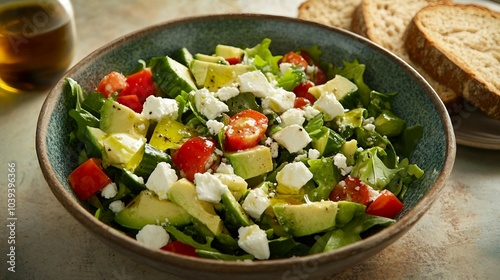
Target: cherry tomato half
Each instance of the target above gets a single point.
(112, 82)
(302, 90)
(245, 130)
(351, 189)
(140, 84)
(319, 76)
(385, 205)
(295, 59)
(180, 248)
(196, 155)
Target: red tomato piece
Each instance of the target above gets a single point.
(196, 155)
(140, 84)
(234, 60)
(319, 77)
(301, 102)
(245, 130)
(385, 205)
(112, 82)
(351, 189)
(180, 248)
(295, 59)
(88, 178)
(131, 101)
(302, 90)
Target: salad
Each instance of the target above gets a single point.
(241, 154)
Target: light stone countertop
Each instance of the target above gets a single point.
(458, 238)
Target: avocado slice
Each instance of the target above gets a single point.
(147, 208)
(234, 214)
(308, 218)
(329, 142)
(123, 150)
(210, 58)
(251, 162)
(228, 51)
(339, 86)
(214, 76)
(236, 185)
(118, 118)
(183, 193)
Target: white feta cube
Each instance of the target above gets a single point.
(225, 168)
(160, 180)
(226, 93)
(208, 105)
(153, 236)
(294, 175)
(109, 191)
(208, 187)
(117, 206)
(293, 137)
(313, 154)
(253, 240)
(279, 101)
(292, 116)
(340, 161)
(328, 104)
(310, 112)
(256, 202)
(156, 108)
(256, 83)
(214, 126)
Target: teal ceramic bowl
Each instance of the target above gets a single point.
(416, 102)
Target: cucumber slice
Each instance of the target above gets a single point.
(93, 141)
(183, 56)
(171, 76)
(150, 160)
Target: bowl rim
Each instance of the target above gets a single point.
(118, 240)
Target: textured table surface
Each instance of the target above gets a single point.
(459, 237)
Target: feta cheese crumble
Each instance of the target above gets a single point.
(208, 105)
(153, 236)
(256, 83)
(256, 202)
(294, 176)
(160, 180)
(340, 161)
(329, 105)
(214, 126)
(109, 191)
(253, 240)
(117, 206)
(156, 108)
(293, 137)
(208, 187)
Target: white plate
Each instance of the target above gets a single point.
(472, 127)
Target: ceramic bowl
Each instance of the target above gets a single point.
(416, 102)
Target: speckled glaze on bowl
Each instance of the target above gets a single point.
(416, 102)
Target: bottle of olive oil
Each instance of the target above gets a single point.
(37, 41)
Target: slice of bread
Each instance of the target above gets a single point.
(337, 13)
(459, 46)
(384, 22)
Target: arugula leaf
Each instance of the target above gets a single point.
(186, 239)
(82, 117)
(326, 175)
(242, 102)
(370, 169)
(349, 234)
(408, 140)
(291, 79)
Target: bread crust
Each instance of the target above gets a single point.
(448, 69)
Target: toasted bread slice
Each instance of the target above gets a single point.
(337, 13)
(384, 22)
(459, 46)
